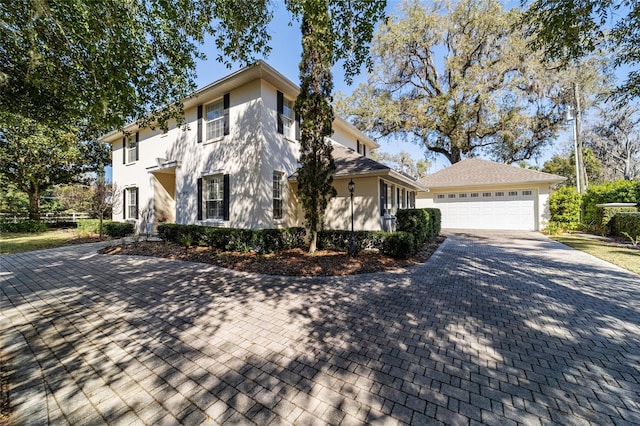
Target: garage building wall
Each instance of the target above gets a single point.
(522, 206)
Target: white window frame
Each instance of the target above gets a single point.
(288, 118)
(131, 149)
(277, 194)
(132, 207)
(214, 120)
(213, 197)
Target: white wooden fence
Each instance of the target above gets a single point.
(46, 217)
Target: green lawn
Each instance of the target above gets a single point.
(626, 258)
(21, 242)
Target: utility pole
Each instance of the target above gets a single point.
(581, 174)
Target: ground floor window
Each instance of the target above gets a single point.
(277, 195)
(214, 197)
(131, 203)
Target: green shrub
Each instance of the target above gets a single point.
(240, 240)
(626, 223)
(175, 232)
(25, 226)
(608, 214)
(400, 245)
(119, 229)
(415, 222)
(92, 225)
(215, 238)
(620, 191)
(564, 208)
(435, 221)
(276, 240)
(340, 240)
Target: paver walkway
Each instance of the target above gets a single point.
(494, 329)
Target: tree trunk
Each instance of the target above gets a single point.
(313, 242)
(34, 204)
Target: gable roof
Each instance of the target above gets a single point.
(351, 164)
(477, 172)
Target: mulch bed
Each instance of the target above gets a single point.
(295, 262)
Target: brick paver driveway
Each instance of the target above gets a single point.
(499, 329)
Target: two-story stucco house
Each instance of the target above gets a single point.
(234, 163)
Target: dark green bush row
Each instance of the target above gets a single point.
(24, 226)
(119, 229)
(397, 244)
(341, 240)
(400, 245)
(626, 223)
(231, 239)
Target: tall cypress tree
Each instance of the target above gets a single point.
(314, 108)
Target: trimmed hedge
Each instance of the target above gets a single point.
(435, 220)
(423, 224)
(416, 222)
(24, 226)
(340, 240)
(119, 229)
(620, 191)
(628, 223)
(607, 214)
(275, 240)
(400, 245)
(232, 239)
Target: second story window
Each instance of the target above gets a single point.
(286, 123)
(214, 118)
(287, 118)
(130, 148)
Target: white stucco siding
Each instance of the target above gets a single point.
(236, 154)
(365, 205)
(279, 154)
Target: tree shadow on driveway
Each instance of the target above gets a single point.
(496, 331)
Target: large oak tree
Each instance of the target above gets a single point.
(455, 78)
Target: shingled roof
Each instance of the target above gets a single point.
(477, 172)
(350, 163)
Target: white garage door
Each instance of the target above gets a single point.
(509, 209)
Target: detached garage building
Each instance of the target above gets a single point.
(480, 194)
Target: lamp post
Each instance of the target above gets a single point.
(352, 249)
